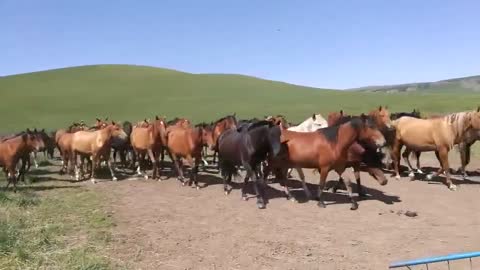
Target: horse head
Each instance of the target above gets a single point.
(116, 130)
(34, 140)
(475, 119)
(382, 117)
(368, 131)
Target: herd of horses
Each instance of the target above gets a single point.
(262, 147)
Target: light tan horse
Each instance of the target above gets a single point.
(148, 138)
(63, 140)
(96, 144)
(436, 134)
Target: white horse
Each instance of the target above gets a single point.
(313, 123)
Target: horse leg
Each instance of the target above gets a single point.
(417, 156)
(397, 146)
(110, 167)
(284, 175)
(195, 172)
(34, 157)
(464, 149)
(348, 185)
(151, 155)
(258, 186)
(405, 156)
(178, 168)
(94, 164)
(360, 189)
(244, 187)
(323, 177)
(443, 153)
(308, 194)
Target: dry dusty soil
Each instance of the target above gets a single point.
(163, 225)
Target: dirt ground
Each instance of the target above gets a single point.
(163, 225)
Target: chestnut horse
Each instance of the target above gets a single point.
(248, 146)
(96, 144)
(148, 139)
(187, 143)
(15, 148)
(436, 134)
(326, 149)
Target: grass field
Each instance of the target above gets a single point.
(52, 225)
(55, 98)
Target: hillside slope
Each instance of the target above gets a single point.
(464, 84)
(55, 98)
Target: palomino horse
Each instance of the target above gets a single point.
(148, 139)
(15, 148)
(187, 143)
(220, 126)
(248, 146)
(326, 149)
(436, 134)
(96, 144)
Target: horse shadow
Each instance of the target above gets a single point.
(457, 179)
(23, 188)
(338, 197)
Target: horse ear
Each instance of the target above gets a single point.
(35, 130)
(380, 108)
(98, 120)
(43, 130)
(363, 117)
(28, 130)
(156, 117)
(106, 119)
(113, 122)
(341, 112)
(478, 109)
(314, 117)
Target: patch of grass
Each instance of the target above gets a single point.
(53, 229)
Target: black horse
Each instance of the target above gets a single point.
(123, 146)
(248, 145)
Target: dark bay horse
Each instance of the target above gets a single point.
(187, 143)
(248, 146)
(220, 126)
(327, 149)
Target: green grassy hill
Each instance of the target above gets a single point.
(457, 85)
(55, 98)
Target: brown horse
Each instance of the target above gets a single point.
(96, 144)
(436, 134)
(326, 149)
(187, 143)
(148, 138)
(15, 148)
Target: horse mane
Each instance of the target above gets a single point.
(224, 118)
(459, 122)
(12, 136)
(258, 124)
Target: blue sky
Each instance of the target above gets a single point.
(332, 44)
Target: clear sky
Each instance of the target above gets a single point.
(331, 44)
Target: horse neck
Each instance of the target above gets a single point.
(346, 136)
(259, 130)
(459, 127)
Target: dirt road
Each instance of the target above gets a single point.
(163, 225)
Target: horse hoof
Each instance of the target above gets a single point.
(321, 204)
(197, 187)
(429, 177)
(245, 198)
(411, 175)
(114, 179)
(452, 187)
(93, 181)
(397, 177)
(354, 206)
(419, 171)
(362, 195)
(260, 205)
(226, 192)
